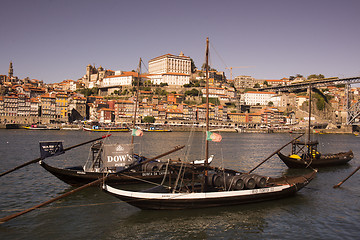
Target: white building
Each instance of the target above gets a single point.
(170, 69)
(280, 100)
(257, 98)
(300, 100)
(120, 79)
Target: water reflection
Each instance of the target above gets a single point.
(89, 214)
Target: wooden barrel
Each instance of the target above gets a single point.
(248, 181)
(161, 166)
(234, 183)
(259, 180)
(151, 167)
(218, 180)
(209, 179)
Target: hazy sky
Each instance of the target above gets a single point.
(55, 40)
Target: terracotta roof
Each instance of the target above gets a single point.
(173, 111)
(46, 96)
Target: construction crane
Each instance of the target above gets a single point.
(236, 67)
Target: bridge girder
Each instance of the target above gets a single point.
(317, 83)
(353, 112)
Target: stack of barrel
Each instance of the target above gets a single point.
(153, 166)
(236, 182)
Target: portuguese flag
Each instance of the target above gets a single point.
(137, 132)
(215, 137)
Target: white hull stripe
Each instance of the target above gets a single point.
(194, 196)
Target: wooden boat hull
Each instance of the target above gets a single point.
(12, 126)
(157, 130)
(42, 128)
(76, 176)
(107, 130)
(325, 160)
(277, 188)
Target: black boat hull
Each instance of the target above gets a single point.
(325, 160)
(76, 176)
(167, 201)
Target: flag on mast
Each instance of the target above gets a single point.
(51, 148)
(215, 137)
(137, 132)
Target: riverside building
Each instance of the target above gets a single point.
(170, 69)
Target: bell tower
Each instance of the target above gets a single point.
(11, 70)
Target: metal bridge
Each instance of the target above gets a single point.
(353, 112)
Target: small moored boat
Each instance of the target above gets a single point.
(156, 129)
(305, 153)
(107, 129)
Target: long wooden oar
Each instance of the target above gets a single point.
(338, 185)
(40, 158)
(5, 219)
(275, 153)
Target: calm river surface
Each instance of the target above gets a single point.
(316, 212)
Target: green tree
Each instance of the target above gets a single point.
(135, 82)
(192, 92)
(320, 102)
(203, 67)
(193, 67)
(315, 76)
(149, 119)
(125, 92)
(159, 91)
(89, 91)
(214, 101)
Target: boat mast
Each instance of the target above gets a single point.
(309, 138)
(207, 100)
(207, 115)
(137, 99)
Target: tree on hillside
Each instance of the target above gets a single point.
(193, 67)
(193, 92)
(135, 82)
(203, 68)
(148, 119)
(159, 91)
(89, 91)
(315, 76)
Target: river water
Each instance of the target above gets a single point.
(316, 212)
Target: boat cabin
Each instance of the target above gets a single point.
(305, 149)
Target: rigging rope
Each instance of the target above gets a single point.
(166, 170)
(212, 46)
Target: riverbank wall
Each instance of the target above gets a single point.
(343, 130)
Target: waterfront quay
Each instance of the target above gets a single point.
(216, 128)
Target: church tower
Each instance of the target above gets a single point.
(11, 70)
